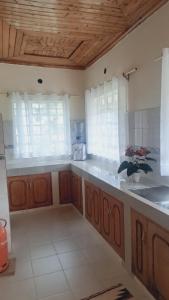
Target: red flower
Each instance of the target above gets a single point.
(130, 151)
(142, 151)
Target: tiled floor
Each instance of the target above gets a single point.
(61, 257)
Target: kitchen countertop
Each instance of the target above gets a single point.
(119, 183)
(26, 167)
(100, 173)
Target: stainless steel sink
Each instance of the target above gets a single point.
(158, 195)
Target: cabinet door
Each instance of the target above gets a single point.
(158, 251)
(117, 222)
(106, 226)
(41, 190)
(74, 184)
(96, 208)
(65, 187)
(88, 201)
(77, 192)
(18, 192)
(139, 246)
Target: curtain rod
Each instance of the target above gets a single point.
(34, 93)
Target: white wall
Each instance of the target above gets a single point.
(139, 48)
(24, 78)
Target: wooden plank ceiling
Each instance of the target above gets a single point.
(66, 33)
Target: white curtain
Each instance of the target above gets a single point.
(41, 125)
(106, 119)
(164, 136)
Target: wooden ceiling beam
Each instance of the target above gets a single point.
(18, 44)
(42, 61)
(5, 39)
(76, 56)
(63, 10)
(98, 47)
(117, 20)
(65, 24)
(47, 27)
(65, 6)
(12, 40)
(62, 34)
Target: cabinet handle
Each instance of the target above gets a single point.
(30, 185)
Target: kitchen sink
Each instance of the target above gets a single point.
(158, 195)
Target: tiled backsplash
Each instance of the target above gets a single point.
(144, 130)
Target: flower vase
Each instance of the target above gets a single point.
(136, 177)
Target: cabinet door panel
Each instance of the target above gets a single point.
(74, 190)
(118, 227)
(18, 192)
(158, 247)
(106, 217)
(88, 201)
(65, 186)
(77, 192)
(96, 213)
(41, 190)
(139, 246)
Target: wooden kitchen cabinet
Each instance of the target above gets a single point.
(150, 255)
(76, 190)
(65, 187)
(88, 201)
(18, 192)
(139, 229)
(158, 261)
(41, 190)
(31, 191)
(106, 214)
(96, 207)
(106, 220)
(112, 222)
(92, 204)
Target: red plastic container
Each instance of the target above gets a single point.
(3, 246)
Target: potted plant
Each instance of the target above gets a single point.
(137, 162)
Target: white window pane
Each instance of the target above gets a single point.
(40, 123)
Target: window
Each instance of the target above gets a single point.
(104, 112)
(41, 125)
(164, 143)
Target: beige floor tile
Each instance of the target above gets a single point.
(86, 241)
(39, 251)
(72, 259)
(59, 238)
(83, 281)
(51, 284)
(20, 249)
(40, 237)
(66, 245)
(63, 296)
(46, 265)
(95, 254)
(57, 235)
(107, 269)
(24, 290)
